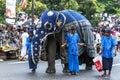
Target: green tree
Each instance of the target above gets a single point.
(86, 8)
(118, 11)
(38, 7)
(111, 6)
(2, 11)
(90, 9)
(55, 4)
(72, 4)
(61, 4)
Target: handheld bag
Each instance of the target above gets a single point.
(98, 64)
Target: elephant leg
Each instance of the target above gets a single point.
(84, 58)
(65, 68)
(89, 63)
(63, 52)
(51, 55)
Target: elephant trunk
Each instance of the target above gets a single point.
(36, 47)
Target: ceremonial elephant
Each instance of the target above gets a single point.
(50, 35)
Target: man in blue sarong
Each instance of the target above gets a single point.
(72, 40)
(108, 52)
(28, 44)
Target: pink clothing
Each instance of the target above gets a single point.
(113, 32)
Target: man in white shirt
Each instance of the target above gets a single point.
(23, 48)
(117, 37)
(97, 41)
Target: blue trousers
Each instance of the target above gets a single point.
(31, 64)
(73, 63)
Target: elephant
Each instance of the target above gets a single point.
(50, 35)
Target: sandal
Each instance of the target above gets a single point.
(103, 75)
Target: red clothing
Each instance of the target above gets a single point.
(113, 32)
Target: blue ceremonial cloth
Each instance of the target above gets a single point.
(73, 62)
(108, 44)
(28, 44)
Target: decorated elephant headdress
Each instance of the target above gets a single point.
(50, 22)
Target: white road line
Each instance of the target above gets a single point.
(116, 64)
(20, 62)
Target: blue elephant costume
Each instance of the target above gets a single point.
(51, 22)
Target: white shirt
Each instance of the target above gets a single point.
(117, 36)
(19, 23)
(98, 38)
(24, 38)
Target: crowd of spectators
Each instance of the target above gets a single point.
(9, 35)
(12, 34)
(115, 31)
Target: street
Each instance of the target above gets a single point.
(18, 70)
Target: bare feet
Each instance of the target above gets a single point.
(69, 73)
(74, 73)
(104, 75)
(108, 75)
(33, 70)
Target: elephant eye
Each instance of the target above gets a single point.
(39, 24)
(48, 25)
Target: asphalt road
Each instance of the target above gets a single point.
(18, 70)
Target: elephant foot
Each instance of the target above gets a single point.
(88, 68)
(65, 70)
(50, 71)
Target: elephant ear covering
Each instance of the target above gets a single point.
(84, 29)
(61, 20)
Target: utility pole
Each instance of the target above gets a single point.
(50, 4)
(32, 13)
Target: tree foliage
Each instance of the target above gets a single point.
(2, 11)
(55, 4)
(38, 8)
(111, 6)
(72, 4)
(86, 7)
(89, 8)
